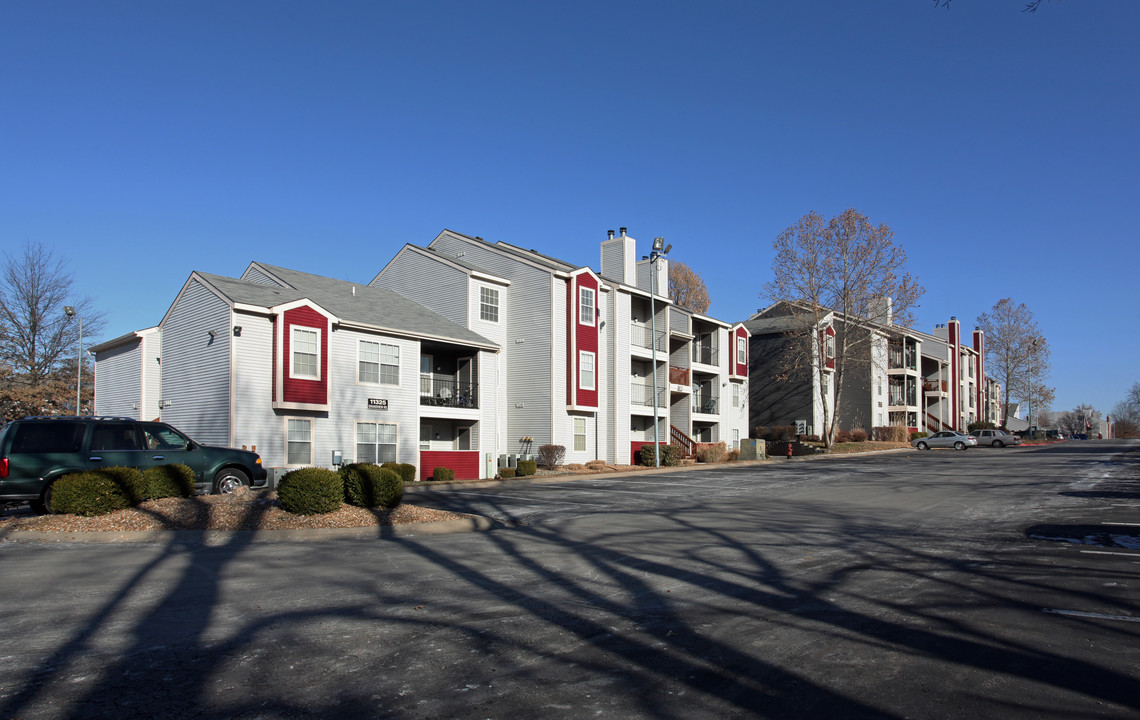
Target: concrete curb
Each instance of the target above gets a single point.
(219, 538)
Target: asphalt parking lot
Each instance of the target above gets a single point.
(987, 583)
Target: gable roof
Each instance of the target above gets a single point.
(354, 303)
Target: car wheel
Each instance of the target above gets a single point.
(959, 445)
(998, 443)
(43, 505)
(229, 480)
(923, 446)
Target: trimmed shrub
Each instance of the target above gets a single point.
(843, 436)
(166, 481)
(980, 425)
(671, 455)
(733, 455)
(128, 478)
(919, 434)
(89, 493)
(811, 438)
(712, 452)
(370, 486)
(311, 491)
(406, 471)
(858, 435)
(442, 473)
(551, 456)
(507, 472)
(527, 467)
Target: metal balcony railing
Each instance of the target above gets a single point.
(642, 336)
(641, 393)
(705, 404)
(441, 392)
(706, 354)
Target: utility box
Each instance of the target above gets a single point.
(752, 449)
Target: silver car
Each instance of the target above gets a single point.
(996, 438)
(945, 439)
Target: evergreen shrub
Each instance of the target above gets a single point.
(166, 481)
(527, 467)
(443, 474)
(89, 493)
(507, 472)
(371, 486)
(311, 491)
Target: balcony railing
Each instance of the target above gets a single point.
(641, 393)
(441, 392)
(706, 354)
(642, 336)
(679, 376)
(705, 404)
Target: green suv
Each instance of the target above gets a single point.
(36, 451)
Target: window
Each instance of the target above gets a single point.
(115, 436)
(489, 304)
(736, 438)
(586, 306)
(299, 442)
(375, 442)
(741, 351)
(379, 363)
(826, 385)
(736, 395)
(579, 434)
(305, 348)
(586, 370)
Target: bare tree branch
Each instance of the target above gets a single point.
(686, 288)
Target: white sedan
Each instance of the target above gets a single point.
(945, 439)
(996, 438)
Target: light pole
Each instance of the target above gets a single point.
(69, 311)
(659, 250)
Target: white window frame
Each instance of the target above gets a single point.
(488, 304)
(736, 395)
(587, 306)
(579, 437)
(583, 356)
(395, 444)
(741, 351)
(736, 438)
(360, 362)
(396, 348)
(293, 352)
(289, 422)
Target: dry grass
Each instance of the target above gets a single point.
(866, 446)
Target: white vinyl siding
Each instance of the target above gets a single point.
(586, 306)
(579, 434)
(586, 371)
(299, 441)
(489, 304)
(376, 442)
(304, 346)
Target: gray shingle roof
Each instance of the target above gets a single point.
(375, 307)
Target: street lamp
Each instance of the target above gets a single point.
(69, 311)
(659, 250)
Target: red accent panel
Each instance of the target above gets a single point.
(465, 463)
(741, 368)
(587, 341)
(635, 450)
(296, 389)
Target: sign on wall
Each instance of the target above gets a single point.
(377, 404)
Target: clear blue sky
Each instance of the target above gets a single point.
(142, 141)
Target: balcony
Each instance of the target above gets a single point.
(706, 354)
(443, 392)
(642, 336)
(641, 394)
(678, 376)
(705, 404)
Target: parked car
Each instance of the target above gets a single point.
(945, 439)
(36, 451)
(996, 438)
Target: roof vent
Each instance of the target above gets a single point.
(622, 231)
(610, 233)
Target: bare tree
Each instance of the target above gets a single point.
(1081, 419)
(686, 288)
(39, 342)
(1017, 355)
(1126, 414)
(843, 272)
